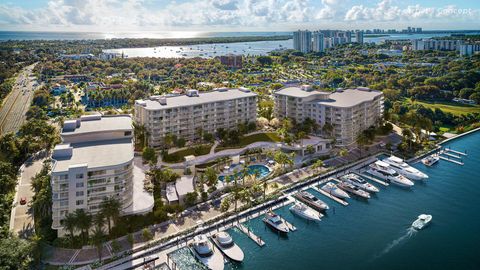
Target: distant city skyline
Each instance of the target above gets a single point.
(236, 15)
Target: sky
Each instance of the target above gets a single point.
(236, 15)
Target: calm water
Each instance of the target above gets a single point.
(374, 235)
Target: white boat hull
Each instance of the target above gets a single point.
(308, 215)
(392, 179)
(234, 253)
(213, 262)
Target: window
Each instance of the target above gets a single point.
(63, 186)
(79, 184)
(127, 133)
(64, 177)
(79, 175)
(79, 193)
(79, 202)
(94, 173)
(63, 203)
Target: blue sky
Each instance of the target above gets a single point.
(235, 15)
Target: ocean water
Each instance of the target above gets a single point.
(375, 234)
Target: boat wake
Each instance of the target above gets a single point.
(409, 233)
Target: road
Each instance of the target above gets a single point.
(17, 103)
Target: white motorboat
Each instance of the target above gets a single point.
(305, 212)
(422, 221)
(383, 170)
(430, 160)
(276, 222)
(206, 253)
(353, 190)
(332, 189)
(225, 243)
(359, 182)
(310, 200)
(404, 169)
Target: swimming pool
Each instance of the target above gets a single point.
(263, 171)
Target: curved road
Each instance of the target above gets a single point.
(17, 103)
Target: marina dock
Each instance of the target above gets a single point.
(338, 200)
(373, 179)
(289, 225)
(450, 155)
(451, 160)
(250, 234)
(456, 152)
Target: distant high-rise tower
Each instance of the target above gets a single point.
(302, 41)
(317, 45)
(359, 37)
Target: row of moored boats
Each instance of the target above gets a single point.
(395, 170)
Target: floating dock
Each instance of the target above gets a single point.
(450, 155)
(456, 152)
(250, 234)
(451, 160)
(373, 179)
(289, 225)
(338, 200)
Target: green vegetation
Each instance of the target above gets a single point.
(249, 139)
(450, 107)
(179, 156)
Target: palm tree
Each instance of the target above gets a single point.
(110, 209)
(98, 239)
(99, 220)
(265, 186)
(70, 224)
(318, 164)
(84, 222)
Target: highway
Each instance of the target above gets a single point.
(17, 103)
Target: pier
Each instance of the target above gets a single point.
(450, 155)
(338, 200)
(451, 160)
(456, 152)
(373, 179)
(289, 225)
(250, 234)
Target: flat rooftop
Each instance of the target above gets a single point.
(295, 91)
(105, 123)
(202, 98)
(96, 154)
(349, 97)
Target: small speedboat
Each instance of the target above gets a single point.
(332, 189)
(225, 243)
(305, 212)
(276, 222)
(383, 170)
(430, 160)
(403, 168)
(206, 253)
(422, 221)
(353, 190)
(310, 200)
(359, 182)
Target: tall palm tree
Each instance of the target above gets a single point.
(110, 209)
(84, 222)
(70, 224)
(98, 239)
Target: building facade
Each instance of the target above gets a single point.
(348, 111)
(359, 37)
(95, 162)
(302, 41)
(436, 44)
(318, 45)
(231, 60)
(184, 115)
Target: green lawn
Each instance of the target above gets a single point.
(450, 107)
(246, 140)
(179, 156)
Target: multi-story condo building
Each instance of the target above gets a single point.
(317, 45)
(359, 37)
(184, 115)
(348, 111)
(469, 49)
(94, 162)
(436, 44)
(302, 41)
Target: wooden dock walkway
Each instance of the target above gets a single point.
(451, 160)
(450, 155)
(250, 234)
(338, 200)
(373, 179)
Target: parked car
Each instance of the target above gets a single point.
(23, 201)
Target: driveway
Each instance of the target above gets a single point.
(21, 219)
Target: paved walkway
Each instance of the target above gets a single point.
(21, 218)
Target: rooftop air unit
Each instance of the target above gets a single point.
(306, 87)
(192, 93)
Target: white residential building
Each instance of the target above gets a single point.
(469, 49)
(317, 45)
(302, 41)
(184, 115)
(436, 44)
(94, 162)
(359, 37)
(349, 111)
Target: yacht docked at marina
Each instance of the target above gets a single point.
(332, 189)
(400, 166)
(354, 190)
(305, 212)
(206, 253)
(276, 222)
(310, 200)
(384, 171)
(225, 243)
(359, 182)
